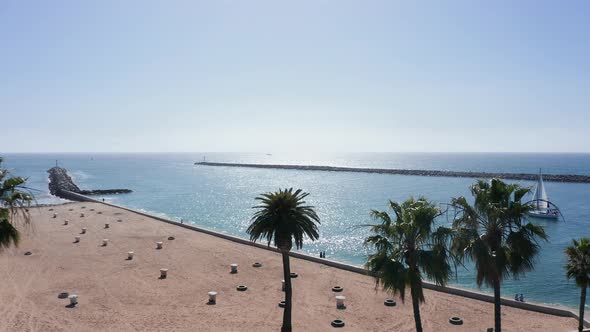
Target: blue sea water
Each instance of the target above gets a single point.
(221, 198)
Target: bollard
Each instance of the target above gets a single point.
(105, 242)
(212, 297)
(66, 222)
(54, 215)
(159, 245)
(234, 268)
(83, 230)
(283, 287)
(106, 225)
(130, 255)
(81, 215)
(77, 239)
(163, 273)
(340, 302)
(73, 299)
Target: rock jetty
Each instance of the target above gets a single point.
(60, 183)
(455, 174)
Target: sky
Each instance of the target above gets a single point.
(288, 76)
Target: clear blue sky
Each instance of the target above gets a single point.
(273, 76)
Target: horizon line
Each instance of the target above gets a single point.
(294, 152)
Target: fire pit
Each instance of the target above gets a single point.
(456, 321)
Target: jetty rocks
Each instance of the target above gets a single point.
(416, 172)
(60, 183)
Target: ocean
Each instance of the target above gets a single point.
(221, 198)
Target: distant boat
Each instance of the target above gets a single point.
(542, 207)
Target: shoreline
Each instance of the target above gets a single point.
(117, 294)
(556, 310)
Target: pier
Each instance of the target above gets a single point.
(416, 172)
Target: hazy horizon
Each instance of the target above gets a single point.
(311, 76)
(300, 153)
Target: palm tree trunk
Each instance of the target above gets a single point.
(416, 305)
(497, 307)
(288, 294)
(582, 305)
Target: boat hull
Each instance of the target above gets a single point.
(543, 215)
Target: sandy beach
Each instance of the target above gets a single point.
(116, 294)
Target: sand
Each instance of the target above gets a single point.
(116, 294)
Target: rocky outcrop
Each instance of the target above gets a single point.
(456, 174)
(59, 180)
(60, 183)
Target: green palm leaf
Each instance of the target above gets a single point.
(494, 234)
(282, 218)
(407, 247)
(578, 268)
(13, 200)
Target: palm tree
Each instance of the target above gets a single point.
(408, 248)
(578, 268)
(12, 202)
(494, 234)
(282, 218)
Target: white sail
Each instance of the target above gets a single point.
(540, 195)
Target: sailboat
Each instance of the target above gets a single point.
(542, 207)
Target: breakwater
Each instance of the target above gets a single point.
(416, 172)
(61, 185)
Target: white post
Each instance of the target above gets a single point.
(340, 301)
(105, 242)
(73, 299)
(106, 225)
(130, 255)
(163, 273)
(283, 287)
(83, 230)
(212, 297)
(77, 238)
(66, 222)
(234, 268)
(159, 245)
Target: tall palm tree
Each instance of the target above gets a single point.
(13, 199)
(578, 268)
(409, 247)
(494, 234)
(283, 217)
